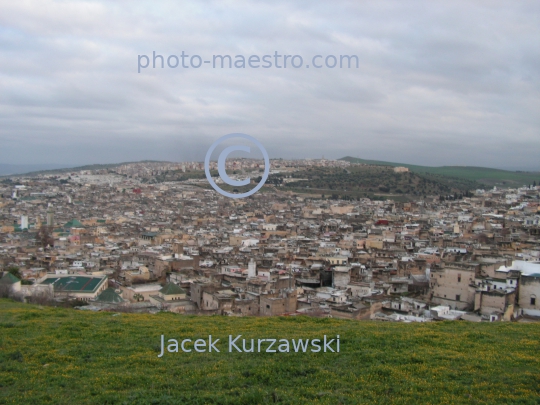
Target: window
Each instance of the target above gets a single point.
(459, 278)
(268, 306)
(458, 297)
(533, 300)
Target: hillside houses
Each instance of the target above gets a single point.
(174, 246)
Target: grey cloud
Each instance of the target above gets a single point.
(438, 83)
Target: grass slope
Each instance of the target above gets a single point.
(62, 356)
(481, 174)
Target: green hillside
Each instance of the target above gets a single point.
(371, 181)
(63, 356)
(480, 174)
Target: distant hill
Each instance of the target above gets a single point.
(26, 170)
(481, 174)
(372, 181)
(6, 170)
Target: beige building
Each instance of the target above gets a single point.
(453, 285)
(499, 303)
(342, 276)
(274, 304)
(401, 169)
(337, 260)
(140, 292)
(220, 301)
(529, 294)
(142, 274)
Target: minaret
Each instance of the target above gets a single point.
(252, 269)
(50, 215)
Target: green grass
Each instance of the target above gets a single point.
(62, 356)
(480, 174)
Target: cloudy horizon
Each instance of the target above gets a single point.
(438, 83)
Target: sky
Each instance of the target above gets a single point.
(437, 83)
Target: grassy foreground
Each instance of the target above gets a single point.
(62, 356)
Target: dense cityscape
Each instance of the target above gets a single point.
(116, 239)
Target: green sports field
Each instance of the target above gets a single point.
(63, 356)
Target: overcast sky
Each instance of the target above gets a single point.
(438, 83)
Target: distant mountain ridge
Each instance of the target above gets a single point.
(482, 174)
(7, 169)
(24, 170)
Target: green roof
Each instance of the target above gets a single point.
(75, 283)
(9, 279)
(109, 295)
(74, 223)
(172, 289)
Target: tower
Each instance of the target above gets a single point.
(50, 215)
(252, 268)
(24, 222)
(178, 248)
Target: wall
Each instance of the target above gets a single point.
(529, 286)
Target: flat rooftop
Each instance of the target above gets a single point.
(74, 283)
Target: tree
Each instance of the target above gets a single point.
(14, 270)
(45, 237)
